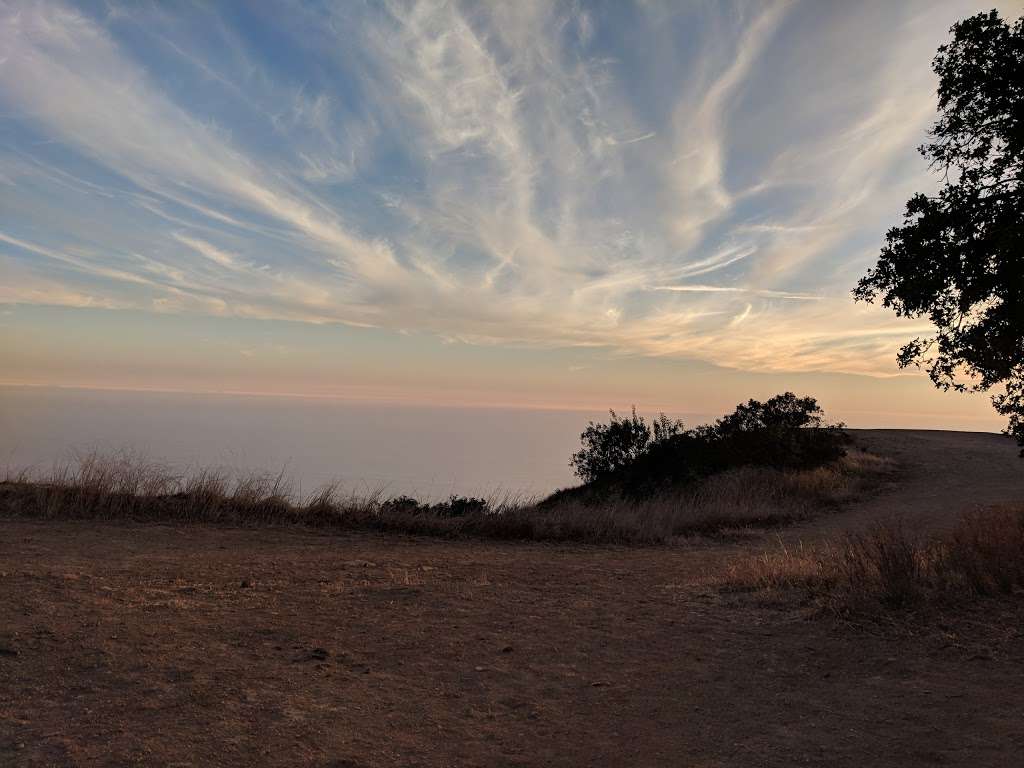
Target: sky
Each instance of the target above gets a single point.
(537, 204)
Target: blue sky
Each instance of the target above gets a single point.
(552, 188)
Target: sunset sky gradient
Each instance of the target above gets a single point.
(565, 205)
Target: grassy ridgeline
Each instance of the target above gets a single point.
(128, 488)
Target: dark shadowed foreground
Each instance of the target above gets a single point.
(126, 643)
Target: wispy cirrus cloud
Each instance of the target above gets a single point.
(697, 181)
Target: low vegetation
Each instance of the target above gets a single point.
(125, 487)
(890, 567)
(628, 458)
(764, 465)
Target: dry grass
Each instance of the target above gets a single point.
(126, 486)
(891, 567)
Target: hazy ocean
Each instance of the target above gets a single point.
(422, 451)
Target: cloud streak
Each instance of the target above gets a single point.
(485, 174)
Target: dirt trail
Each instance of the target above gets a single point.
(939, 476)
(199, 646)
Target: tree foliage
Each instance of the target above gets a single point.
(958, 258)
(785, 431)
(609, 447)
(785, 411)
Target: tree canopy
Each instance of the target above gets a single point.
(958, 256)
(609, 447)
(785, 432)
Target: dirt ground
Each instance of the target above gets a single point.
(153, 645)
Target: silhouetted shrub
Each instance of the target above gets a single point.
(454, 506)
(608, 448)
(785, 432)
(401, 504)
(458, 506)
(627, 456)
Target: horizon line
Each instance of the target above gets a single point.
(700, 417)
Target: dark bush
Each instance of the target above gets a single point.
(458, 506)
(454, 506)
(608, 448)
(785, 432)
(401, 504)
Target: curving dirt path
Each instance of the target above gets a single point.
(939, 475)
(193, 646)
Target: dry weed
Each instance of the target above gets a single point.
(891, 567)
(129, 487)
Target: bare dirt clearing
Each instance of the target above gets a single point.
(155, 645)
(941, 474)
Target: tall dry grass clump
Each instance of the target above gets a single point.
(126, 486)
(889, 567)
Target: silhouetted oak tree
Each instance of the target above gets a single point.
(958, 257)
